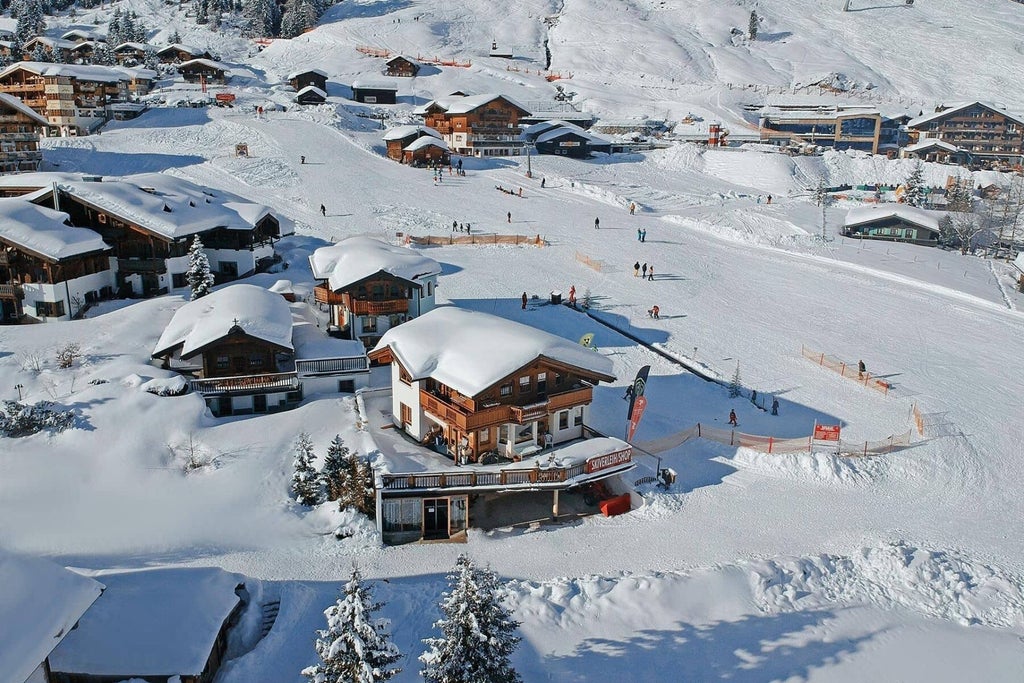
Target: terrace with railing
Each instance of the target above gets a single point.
(464, 414)
(246, 384)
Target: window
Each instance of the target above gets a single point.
(404, 375)
(430, 289)
(485, 436)
(542, 382)
(402, 514)
(369, 323)
(577, 421)
(49, 309)
(524, 384)
(228, 268)
(563, 419)
(255, 361)
(259, 403)
(346, 386)
(558, 380)
(223, 362)
(406, 414)
(178, 280)
(506, 390)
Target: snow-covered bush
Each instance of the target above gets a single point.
(22, 419)
(68, 354)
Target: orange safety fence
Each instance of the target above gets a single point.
(771, 444)
(373, 51)
(847, 370)
(437, 61)
(915, 412)
(589, 262)
(437, 240)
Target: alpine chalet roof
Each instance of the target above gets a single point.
(314, 89)
(464, 105)
(910, 214)
(956, 109)
(39, 605)
(425, 141)
(402, 132)
(208, 63)
(471, 351)
(130, 46)
(258, 312)
(12, 102)
(42, 231)
(156, 622)
(82, 72)
(373, 84)
(357, 258)
(927, 143)
(181, 47)
(296, 74)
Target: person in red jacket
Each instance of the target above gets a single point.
(732, 418)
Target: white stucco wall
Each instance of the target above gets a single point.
(573, 431)
(76, 287)
(409, 394)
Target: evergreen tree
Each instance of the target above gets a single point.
(175, 37)
(914, 196)
(202, 11)
(356, 488)
(736, 385)
(30, 22)
(261, 17)
(962, 219)
(151, 61)
(199, 277)
(103, 55)
(355, 647)
(114, 32)
(477, 631)
(336, 464)
(39, 54)
(299, 15)
(752, 25)
(305, 482)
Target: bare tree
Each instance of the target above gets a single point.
(962, 221)
(1007, 212)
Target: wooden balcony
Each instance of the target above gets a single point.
(323, 295)
(462, 417)
(360, 307)
(332, 366)
(569, 399)
(246, 384)
(534, 411)
(11, 292)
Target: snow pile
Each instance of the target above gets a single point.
(935, 583)
(358, 258)
(821, 468)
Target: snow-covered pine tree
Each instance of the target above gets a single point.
(752, 25)
(305, 483)
(115, 34)
(355, 647)
(914, 185)
(736, 385)
(151, 61)
(477, 631)
(39, 54)
(299, 15)
(199, 277)
(28, 26)
(261, 17)
(175, 37)
(368, 496)
(202, 11)
(103, 55)
(333, 475)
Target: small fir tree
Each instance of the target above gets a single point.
(336, 464)
(199, 277)
(752, 25)
(914, 186)
(736, 385)
(477, 631)
(39, 54)
(305, 482)
(103, 55)
(355, 647)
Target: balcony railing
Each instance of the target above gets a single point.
(360, 307)
(331, 365)
(11, 292)
(462, 417)
(511, 477)
(323, 295)
(142, 265)
(524, 414)
(246, 384)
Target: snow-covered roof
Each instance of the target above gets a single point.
(258, 312)
(469, 351)
(52, 42)
(37, 180)
(311, 343)
(956, 109)
(208, 63)
(174, 207)
(157, 622)
(910, 214)
(42, 231)
(296, 74)
(142, 47)
(39, 605)
(568, 128)
(138, 72)
(88, 34)
(83, 72)
(927, 143)
(402, 132)
(425, 141)
(464, 105)
(403, 57)
(12, 102)
(371, 84)
(314, 89)
(357, 258)
(181, 47)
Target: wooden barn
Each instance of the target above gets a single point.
(401, 66)
(399, 137)
(893, 222)
(302, 79)
(195, 70)
(311, 95)
(426, 150)
(374, 92)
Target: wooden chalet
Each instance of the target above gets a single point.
(988, 135)
(82, 52)
(478, 125)
(58, 49)
(20, 128)
(73, 98)
(81, 35)
(374, 92)
(311, 95)
(426, 150)
(130, 54)
(893, 222)
(314, 77)
(401, 66)
(196, 70)
(935, 151)
(564, 139)
(176, 53)
(369, 287)
(49, 269)
(398, 138)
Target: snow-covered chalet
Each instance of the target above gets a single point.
(247, 353)
(477, 125)
(369, 287)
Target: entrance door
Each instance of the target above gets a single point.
(435, 518)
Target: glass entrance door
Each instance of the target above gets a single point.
(435, 518)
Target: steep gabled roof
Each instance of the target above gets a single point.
(12, 102)
(43, 232)
(133, 46)
(83, 72)
(181, 47)
(425, 141)
(927, 143)
(39, 605)
(313, 89)
(358, 258)
(208, 63)
(956, 109)
(403, 132)
(296, 74)
(471, 351)
(869, 214)
(466, 104)
(254, 311)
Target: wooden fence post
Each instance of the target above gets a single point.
(770, 442)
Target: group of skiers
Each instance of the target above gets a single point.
(641, 235)
(458, 227)
(648, 271)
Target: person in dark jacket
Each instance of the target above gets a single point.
(524, 301)
(732, 418)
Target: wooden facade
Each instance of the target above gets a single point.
(19, 140)
(70, 105)
(312, 77)
(490, 129)
(427, 155)
(990, 137)
(402, 67)
(374, 93)
(238, 354)
(196, 70)
(175, 54)
(354, 309)
(20, 266)
(894, 229)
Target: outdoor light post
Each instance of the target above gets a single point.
(19, 387)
